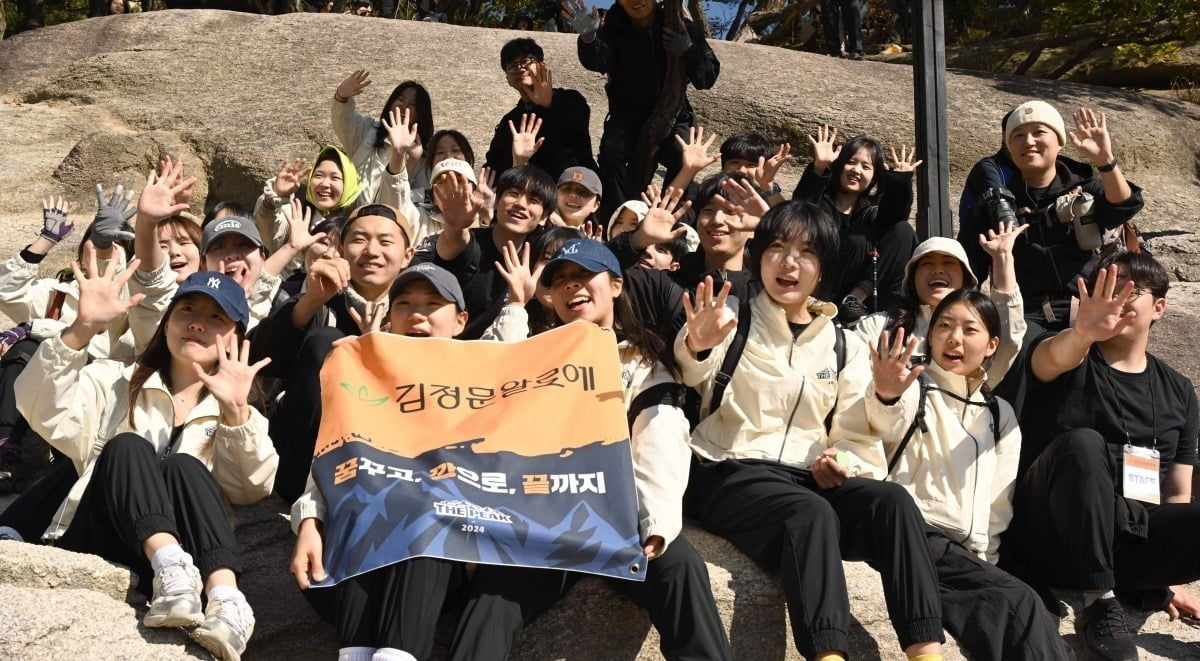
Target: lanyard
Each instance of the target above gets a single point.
(1112, 386)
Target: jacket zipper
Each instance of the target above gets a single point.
(975, 477)
(788, 427)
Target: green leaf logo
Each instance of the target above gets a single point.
(364, 395)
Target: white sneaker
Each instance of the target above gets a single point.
(228, 625)
(176, 601)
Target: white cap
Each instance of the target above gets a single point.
(453, 165)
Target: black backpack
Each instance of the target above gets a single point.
(734, 354)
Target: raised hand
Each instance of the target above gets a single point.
(658, 225)
(764, 174)
(709, 321)
(100, 301)
(307, 564)
(515, 271)
(456, 201)
(889, 365)
(1091, 136)
(676, 42)
(904, 161)
(372, 321)
(299, 220)
(326, 277)
(353, 85)
(111, 223)
(695, 149)
(402, 135)
(742, 200)
(484, 195)
(166, 192)
(55, 226)
(825, 148)
(593, 231)
(290, 174)
(542, 90)
(585, 23)
(998, 243)
(231, 383)
(1102, 313)
(525, 140)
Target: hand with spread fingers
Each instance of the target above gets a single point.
(299, 220)
(55, 226)
(100, 299)
(695, 149)
(658, 226)
(890, 365)
(903, 162)
(373, 319)
(585, 23)
(709, 320)
(516, 272)
(231, 383)
(1091, 136)
(525, 140)
(353, 85)
(111, 223)
(768, 168)
(742, 201)
(1102, 314)
(287, 181)
(825, 148)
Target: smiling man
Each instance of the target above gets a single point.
(1064, 201)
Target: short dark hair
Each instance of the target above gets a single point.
(711, 187)
(746, 145)
(234, 209)
(1144, 271)
(519, 48)
(678, 245)
(424, 118)
(793, 220)
(531, 180)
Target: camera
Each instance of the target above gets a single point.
(999, 205)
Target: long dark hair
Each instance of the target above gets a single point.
(459, 138)
(157, 358)
(424, 118)
(878, 165)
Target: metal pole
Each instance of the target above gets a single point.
(929, 99)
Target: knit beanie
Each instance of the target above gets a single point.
(1036, 112)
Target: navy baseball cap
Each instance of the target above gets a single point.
(588, 253)
(230, 225)
(442, 281)
(221, 288)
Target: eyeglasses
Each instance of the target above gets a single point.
(524, 63)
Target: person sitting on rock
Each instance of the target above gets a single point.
(676, 592)
(579, 194)
(366, 139)
(626, 218)
(747, 154)
(161, 447)
(390, 612)
(549, 126)
(871, 202)
(956, 453)
(1067, 205)
(787, 460)
(1104, 498)
(632, 48)
(343, 293)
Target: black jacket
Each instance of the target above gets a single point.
(635, 62)
(564, 128)
(1046, 256)
(692, 270)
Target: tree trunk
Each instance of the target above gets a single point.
(740, 16)
(3, 23)
(1075, 59)
(696, 9)
(32, 15)
(660, 122)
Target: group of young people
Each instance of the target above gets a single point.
(802, 377)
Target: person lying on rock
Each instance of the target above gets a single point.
(1068, 206)
(161, 447)
(676, 592)
(954, 447)
(787, 462)
(390, 613)
(1104, 494)
(871, 201)
(549, 125)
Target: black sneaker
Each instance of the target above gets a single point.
(850, 310)
(1102, 628)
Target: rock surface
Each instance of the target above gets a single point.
(237, 93)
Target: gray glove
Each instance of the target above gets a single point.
(677, 43)
(585, 23)
(111, 223)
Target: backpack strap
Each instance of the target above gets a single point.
(54, 310)
(839, 355)
(732, 355)
(994, 408)
(918, 421)
(670, 393)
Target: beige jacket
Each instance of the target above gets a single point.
(1012, 331)
(960, 479)
(356, 133)
(776, 404)
(26, 297)
(78, 407)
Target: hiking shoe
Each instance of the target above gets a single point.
(228, 624)
(1102, 628)
(176, 601)
(850, 310)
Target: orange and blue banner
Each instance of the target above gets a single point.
(489, 452)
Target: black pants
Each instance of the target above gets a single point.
(676, 594)
(35, 453)
(133, 495)
(991, 613)
(618, 145)
(895, 246)
(778, 516)
(851, 23)
(295, 421)
(1072, 529)
(395, 606)
(31, 513)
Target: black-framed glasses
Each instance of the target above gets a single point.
(515, 66)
